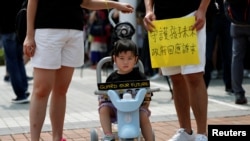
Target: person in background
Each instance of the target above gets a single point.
(238, 13)
(189, 89)
(13, 50)
(125, 56)
(7, 76)
(144, 53)
(217, 25)
(99, 42)
(1, 42)
(54, 41)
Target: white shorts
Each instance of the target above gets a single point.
(58, 47)
(188, 69)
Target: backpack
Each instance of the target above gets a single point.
(237, 11)
(21, 22)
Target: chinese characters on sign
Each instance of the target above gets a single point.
(173, 43)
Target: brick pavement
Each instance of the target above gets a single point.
(163, 130)
(82, 115)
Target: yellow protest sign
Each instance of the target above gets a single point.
(173, 43)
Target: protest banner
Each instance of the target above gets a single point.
(173, 43)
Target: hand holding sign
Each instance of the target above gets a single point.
(173, 43)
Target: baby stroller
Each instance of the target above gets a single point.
(127, 116)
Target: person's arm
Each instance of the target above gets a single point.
(203, 5)
(200, 15)
(107, 4)
(149, 6)
(29, 43)
(149, 15)
(92, 17)
(31, 12)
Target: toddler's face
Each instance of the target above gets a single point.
(125, 62)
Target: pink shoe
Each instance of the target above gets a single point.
(63, 139)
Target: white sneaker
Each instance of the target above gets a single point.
(181, 135)
(201, 137)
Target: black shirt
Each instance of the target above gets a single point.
(133, 75)
(64, 14)
(8, 12)
(165, 9)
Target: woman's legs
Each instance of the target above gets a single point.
(63, 78)
(43, 82)
(46, 81)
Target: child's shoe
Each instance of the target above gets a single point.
(109, 138)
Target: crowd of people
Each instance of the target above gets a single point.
(49, 34)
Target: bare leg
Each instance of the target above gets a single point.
(104, 115)
(198, 100)
(58, 100)
(146, 127)
(41, 89)
(181, 101)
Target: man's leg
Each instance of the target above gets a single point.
(238, 35)
(226, 50)
(211, 34)
(181, 101)
(198, 100)
(15, 66)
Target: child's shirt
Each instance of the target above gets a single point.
(133, 75)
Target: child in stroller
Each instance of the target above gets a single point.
(125, 56)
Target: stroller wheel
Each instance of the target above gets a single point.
(93, 135)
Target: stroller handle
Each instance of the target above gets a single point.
(110, 17)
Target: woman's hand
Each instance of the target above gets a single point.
(125, 7)
(29, 46)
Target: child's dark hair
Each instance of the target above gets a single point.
(124, 45)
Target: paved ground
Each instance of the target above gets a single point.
(82, 116)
